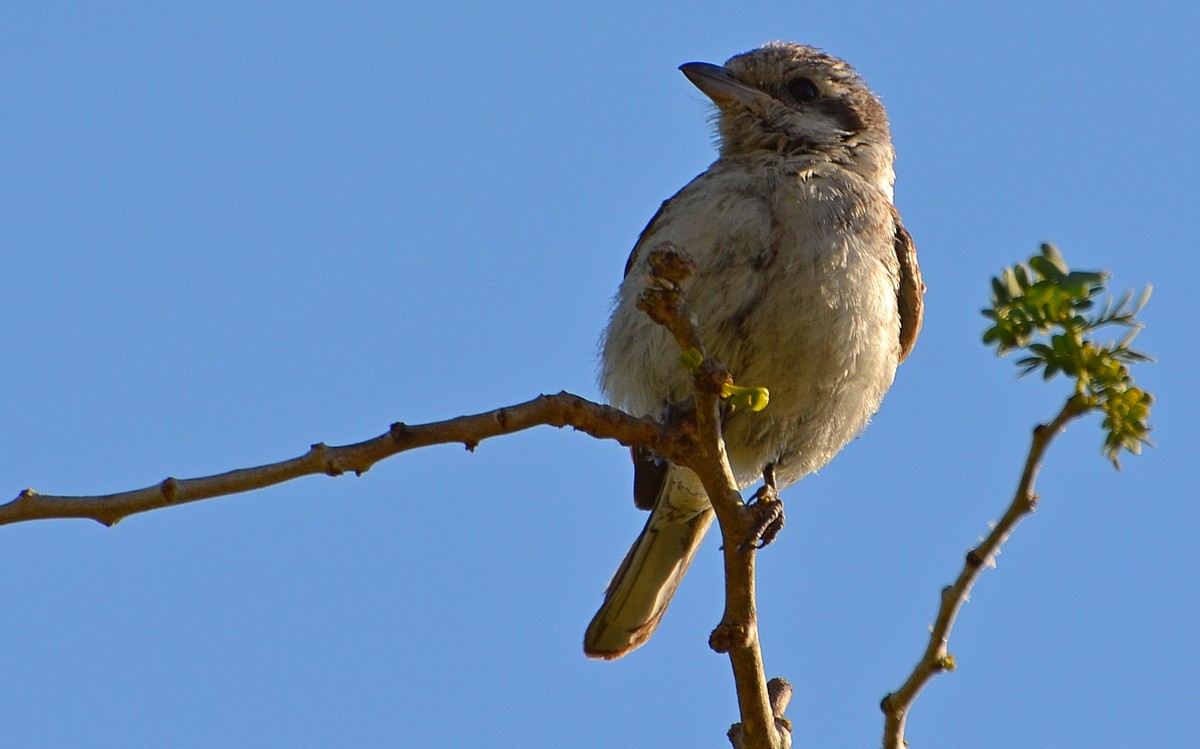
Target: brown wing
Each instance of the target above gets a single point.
(648, 477)
(911, 297)
(642, 237)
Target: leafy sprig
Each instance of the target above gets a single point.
(1050, 312)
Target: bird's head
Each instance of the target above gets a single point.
(792, 99)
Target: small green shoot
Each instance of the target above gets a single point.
(753, 398)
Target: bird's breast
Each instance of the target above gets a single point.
(794, 289)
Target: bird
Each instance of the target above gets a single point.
(805, 282)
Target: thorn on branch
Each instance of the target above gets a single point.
(975, 559)
(399, 432)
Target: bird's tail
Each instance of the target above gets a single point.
(643, 585)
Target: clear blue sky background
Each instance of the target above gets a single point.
(233, 229)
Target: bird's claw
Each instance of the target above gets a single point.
(766, 518)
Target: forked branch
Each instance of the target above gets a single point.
(699, 448)
(737, 634)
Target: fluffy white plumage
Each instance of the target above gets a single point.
(805, 283)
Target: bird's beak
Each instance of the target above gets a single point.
(718, 84)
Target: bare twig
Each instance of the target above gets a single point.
(937, 657)
(563, 409)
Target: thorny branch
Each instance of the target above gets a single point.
(937, 657)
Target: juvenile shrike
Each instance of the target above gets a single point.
(805, 283)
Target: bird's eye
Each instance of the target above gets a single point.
(802, 89)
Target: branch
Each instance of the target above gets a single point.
(563, 409)
(781, 694)
(737, 634)
(700, 448)
(937, 658)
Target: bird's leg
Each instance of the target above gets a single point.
(766, 513)
(767, 492)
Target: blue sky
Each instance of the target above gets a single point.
(235, 229)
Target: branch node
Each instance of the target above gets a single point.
(670, 263)
(662, 300)
(319, 452)
(729, 635)
(658, 303)
(780, 691)
(502, 419)
(170, 489)
(885, 705)
(780, 694)
(714, 376)
(975, 559)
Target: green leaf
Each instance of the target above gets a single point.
(1047, 268)
(1054, 320)
(1145, 297)
(1050, 253)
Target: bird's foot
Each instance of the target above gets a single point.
(766, 514)
(766, 520)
